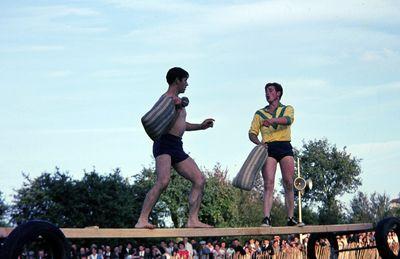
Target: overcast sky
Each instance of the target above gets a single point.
(76, 77)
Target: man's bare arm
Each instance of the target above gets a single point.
(207, 123)
(253, 138)
(279, 121)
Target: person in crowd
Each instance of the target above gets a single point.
(188, 246)
(183, 253)
(267, 248)
(147, 253)
(230, 251)
(93, 254)
(210, 246)
(128, 252)
(116, 254)
(41, 254)
(204, 250)
(74, 251)
(82, 252)
(218, 253)
(238, 248)
(107, 252)
(223, 246)
(155, 252)
(141, 251)
(164, 253)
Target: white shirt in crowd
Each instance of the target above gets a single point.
(189, 247)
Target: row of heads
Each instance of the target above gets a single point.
(180, 73)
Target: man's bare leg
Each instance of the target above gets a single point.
(163, 170)
(287, 169)
(268, 173)
(188, 169)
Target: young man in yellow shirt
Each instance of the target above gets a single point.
(274, 121)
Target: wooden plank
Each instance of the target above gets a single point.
(94, 232)
(204, 232)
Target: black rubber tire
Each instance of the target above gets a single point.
(314, 238)
(382, 229)
(29, 232)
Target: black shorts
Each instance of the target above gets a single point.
(279, 149)
(170, 145)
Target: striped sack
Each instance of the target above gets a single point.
(248, 172)
(159, 119)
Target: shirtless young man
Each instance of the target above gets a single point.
(168, 151)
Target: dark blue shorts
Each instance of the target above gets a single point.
(170, 145)
(280, 149)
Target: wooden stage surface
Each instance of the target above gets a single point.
(95, 232)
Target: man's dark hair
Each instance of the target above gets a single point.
(176, 73)
(277, 87)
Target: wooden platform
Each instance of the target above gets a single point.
(94, 232)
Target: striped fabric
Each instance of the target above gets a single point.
(248, 172)
(158, 120)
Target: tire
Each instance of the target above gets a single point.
(382, 229)
(29, 232)
(315, 237)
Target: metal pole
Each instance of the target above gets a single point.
(298, 167)
(298, 175)
(300, 218)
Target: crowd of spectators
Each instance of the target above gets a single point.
(292, 247)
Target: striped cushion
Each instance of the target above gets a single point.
(158, 120)
(248, 172)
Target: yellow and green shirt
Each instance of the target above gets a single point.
(274, 132)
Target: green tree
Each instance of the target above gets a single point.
(360, 209)
(396, 210)
(105, 201)
(248, 207)
(380, 206)
(219, 206)
(372, 209)
(3, 210)
(309, 216)
(334, 172)
(49, 197)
